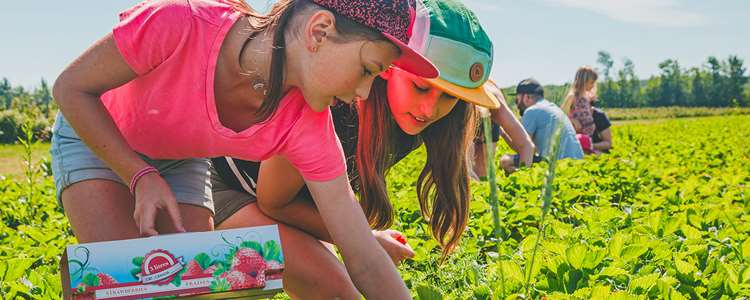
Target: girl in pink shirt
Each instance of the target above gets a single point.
(178, 81)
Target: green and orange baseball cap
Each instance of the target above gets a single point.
(449, 34)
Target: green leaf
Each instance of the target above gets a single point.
(177, 279)
(575, 256)
(715, 286)
(272, 251)
(693, 218)
(593, 258)
(512, 270)
(253, 245)
(220, 285)
(616, 244)
(632, 252)
(644, 283)
(671, 225)
(482, 292)
(134, 272)
(15, 268)
(90, 279)
(690, 232)
(221, 268)
(3, 269)
(425, 292)
(138, 261)
(613, 272)
(745, 274)
(684, 267)
(731, 272)
(600, 292)
(203, 260)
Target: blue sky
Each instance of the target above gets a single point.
(545, 39)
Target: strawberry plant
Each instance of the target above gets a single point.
(665, 215)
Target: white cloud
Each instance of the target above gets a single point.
(650, 12)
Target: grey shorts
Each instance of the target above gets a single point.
(73, 162)
(226, 199)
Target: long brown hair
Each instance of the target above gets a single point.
(584, 74)
(443, 184)
(284, 19)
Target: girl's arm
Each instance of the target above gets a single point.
(367, 264)
(567, 103)
(278, 184)
(511, 129)
(77, 92)
(606, 142)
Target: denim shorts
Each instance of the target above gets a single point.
(226, 199)
(73, 162)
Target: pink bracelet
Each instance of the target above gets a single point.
(138, 175)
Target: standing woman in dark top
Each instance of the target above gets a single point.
(402, 112)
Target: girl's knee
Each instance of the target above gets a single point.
(335, 285)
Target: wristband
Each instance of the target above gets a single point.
(138, 175)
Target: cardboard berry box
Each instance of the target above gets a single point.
(245, 262)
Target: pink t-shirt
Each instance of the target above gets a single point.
(169, 110)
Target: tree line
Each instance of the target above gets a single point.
(715, 83)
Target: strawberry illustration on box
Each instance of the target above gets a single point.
(245, 262)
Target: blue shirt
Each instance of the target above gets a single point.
(540, 120)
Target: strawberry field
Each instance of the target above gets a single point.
(665, 215)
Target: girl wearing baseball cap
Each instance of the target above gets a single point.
(402, 112)
(179, 81)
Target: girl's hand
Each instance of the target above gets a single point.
(391, 241)
(365, 260)
(151, 195)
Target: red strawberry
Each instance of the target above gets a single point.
(260, 279)
(193, 268)
(401, 239)
(238, 280)
(248, 261)
(106, 279)
(210, 270)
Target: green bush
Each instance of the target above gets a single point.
(11, 121)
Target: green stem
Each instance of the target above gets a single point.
(546, 199)
(490, 164)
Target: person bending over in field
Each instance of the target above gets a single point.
(540, 118)
(178, 82)
(402, 112)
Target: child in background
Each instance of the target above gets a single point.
(578, 105)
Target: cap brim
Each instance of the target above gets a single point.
(413, 62)
(481, 96)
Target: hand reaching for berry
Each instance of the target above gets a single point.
(394, 243)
